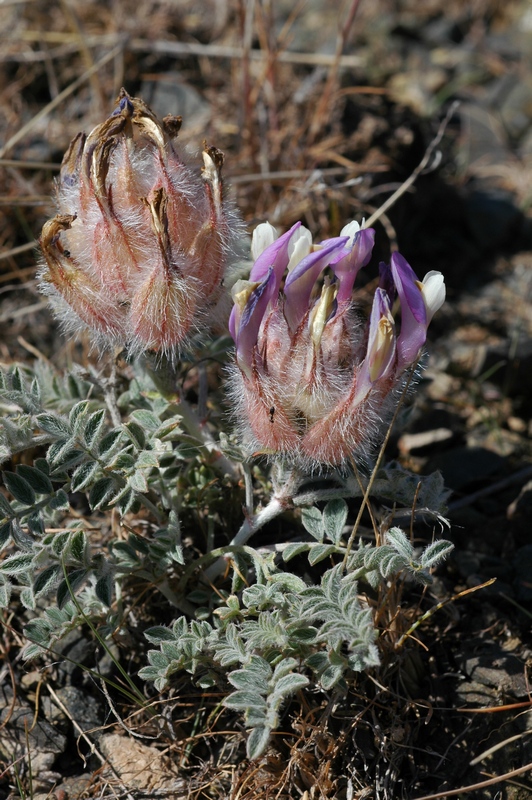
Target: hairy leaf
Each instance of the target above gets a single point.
(19, 488)
(51, 423)
(313, 522)
(37, 479)
(334, 519)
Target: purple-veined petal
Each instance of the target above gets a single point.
(300, 282)
(251, 302)
(347, 267)
(276, 256)
(413, 311)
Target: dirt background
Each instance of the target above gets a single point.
(322, 110)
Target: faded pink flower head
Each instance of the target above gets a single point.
(313, 382)
(139, 248)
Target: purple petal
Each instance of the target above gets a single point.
(300, 282)
(386, 281)
(347, 267)
(276, 256)
(246, 329)
(413, 311)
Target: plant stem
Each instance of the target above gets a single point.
(164, 375)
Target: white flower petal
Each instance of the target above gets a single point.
(433, 289)
(299, 247)
(350, 230)
(263, 236)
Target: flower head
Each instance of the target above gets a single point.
(313, 383)
(139, 248)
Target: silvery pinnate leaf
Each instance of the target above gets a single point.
(19, 487)
(257, 742)
(318, 552)
(5, 533)
(35, 523)
(93, 427)
(38, 480)
(84, 475)
(147, 419)
(243, 699)
(47, 580)
(108, 443)
(77, 415)
(104, 590)
(289, 684)
(334, 519)
(313, 522)
(397, 539)
(5, 591)
(17, 564)
(60, 502)
(101, 492)
(158, 634)
(435, 553)
(294, 549)
(54, 425)
(70, 586)
(6, 509)
(136, 434)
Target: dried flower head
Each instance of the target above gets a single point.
(313, 383)
(139, 248)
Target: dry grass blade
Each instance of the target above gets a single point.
(15, 251)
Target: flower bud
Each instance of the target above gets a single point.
(314, 383)
(140, 246)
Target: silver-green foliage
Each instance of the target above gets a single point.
(114, 466)
(280, 630)
(262, 643)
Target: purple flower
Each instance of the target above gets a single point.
(313, 382)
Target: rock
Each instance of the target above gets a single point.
(417, 443)
(141, 767)
(73, 788)
(81, 706)
(19, 728)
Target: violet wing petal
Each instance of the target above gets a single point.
(251, 319)
(300, 282)
(347, 267)
(413, 312)
(276, 256)
(386, 281)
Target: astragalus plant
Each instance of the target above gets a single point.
(140, 253)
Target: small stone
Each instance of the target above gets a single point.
(139, 766)
(416, 443)
(516, 424)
